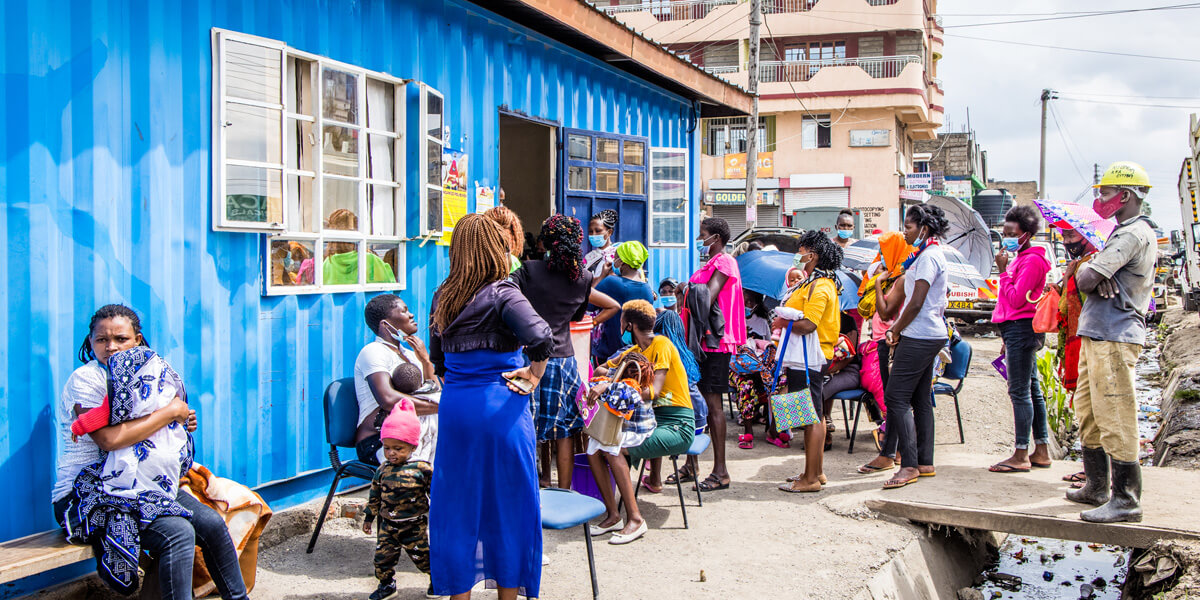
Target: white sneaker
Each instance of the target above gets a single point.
(545, 559)
(596, 530)
(617, 539)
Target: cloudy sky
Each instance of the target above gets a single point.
(1001, 84)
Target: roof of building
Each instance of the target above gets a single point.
(587, 29)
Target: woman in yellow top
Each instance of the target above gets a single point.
(813, 309)
(676, 428)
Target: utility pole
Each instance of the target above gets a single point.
(752, 120)
(1047, 95)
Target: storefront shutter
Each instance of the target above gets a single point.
(799, 199)
(734, 214)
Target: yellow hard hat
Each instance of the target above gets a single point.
(1124, 173)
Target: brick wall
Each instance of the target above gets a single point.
(1023, 191)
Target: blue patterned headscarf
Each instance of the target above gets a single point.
(670, 324)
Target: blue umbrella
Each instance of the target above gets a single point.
(764, 271)
(850, 281)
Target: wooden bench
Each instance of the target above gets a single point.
(38, 553)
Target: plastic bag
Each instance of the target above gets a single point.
(1045, 320)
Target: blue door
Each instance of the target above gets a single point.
(602, 171)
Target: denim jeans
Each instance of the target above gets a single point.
(910, 402)
(173, 540)
(1029, 405)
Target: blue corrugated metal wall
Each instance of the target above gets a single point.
(105, 177)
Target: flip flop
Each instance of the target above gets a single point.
(892, 484)
(822, 478)
(1075, 477)
(929, 474)
(868, 469)
(1040, 465)
(647, 487)
(706, 486)
(789, 488)
(1003, 468)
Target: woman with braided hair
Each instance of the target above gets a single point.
(484, 515)
(601, 229)
(514, 234)
(560, 289)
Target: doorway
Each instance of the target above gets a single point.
(528, 168)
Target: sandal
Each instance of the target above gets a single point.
(869, 468)
(646, 486)
(780, 441)
(680, 476)
(895, 483)
(1075, 477)
(712, 484)
(746, 441)
(793, 479)
(1003, 468)
(829, 428)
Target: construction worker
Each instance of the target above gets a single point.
(1112, 327)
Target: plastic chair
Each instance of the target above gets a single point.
(699, 445)
(341, 426)
(860, 397)
(960, 365)
(564, 509)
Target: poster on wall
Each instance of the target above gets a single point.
(485, 197)
(454, 191)
(735, 165)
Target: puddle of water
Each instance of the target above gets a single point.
(1148, 388)
(1053, 569)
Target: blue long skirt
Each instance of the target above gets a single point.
(485, 520)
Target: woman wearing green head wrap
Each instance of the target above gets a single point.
(628, 284)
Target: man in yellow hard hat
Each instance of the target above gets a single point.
(1112, 328)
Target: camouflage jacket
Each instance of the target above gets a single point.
(400, 492)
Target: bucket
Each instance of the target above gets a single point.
(581, 340)
(584, 482)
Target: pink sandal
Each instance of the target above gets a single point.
(746, 441)
(783, 441)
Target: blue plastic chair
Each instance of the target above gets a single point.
(699, 445)
(960, 365)
(564, 509)
(341, 427)
(859, 397)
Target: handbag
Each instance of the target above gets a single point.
(793, 409)
(746, 362)
(601, 420)
(1045, 319)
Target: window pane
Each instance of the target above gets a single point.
(382, 262)
(292, 262)
(669, 197)
(635, 154)
(340, 202)
(433, 208)
(381, 204)
(339, 96)
(608, 151)
(669, 229)
(300, 204)
(433, 165)
(579, 178)
(252, 72)
(341, 263)
(579, 147)
(252, 133)
(669, 166)
(381, 153)
(433, 110)
(635, 182)
(381, 105)
(808, 134)
(253, 195)
(607, 180)
(340, 150)
(299, 87)
(300, 145)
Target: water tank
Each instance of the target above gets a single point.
(992, 205)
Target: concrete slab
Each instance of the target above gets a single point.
(965, 494)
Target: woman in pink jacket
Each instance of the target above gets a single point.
(1021, 285)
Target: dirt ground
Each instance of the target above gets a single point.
(745, 542)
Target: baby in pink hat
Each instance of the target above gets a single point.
(399, 499)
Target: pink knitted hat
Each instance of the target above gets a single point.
(402, 424)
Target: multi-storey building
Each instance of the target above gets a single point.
(846, 87)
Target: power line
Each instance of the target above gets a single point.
(1134, 96)
(1142, 104)
(1058, 126)
(1090, 51)
(1103, 13)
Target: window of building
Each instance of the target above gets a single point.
(310, 151)
(728, 136)
(816, 132)
(668, 196)
(795, 52)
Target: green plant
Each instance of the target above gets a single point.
(1058, 409)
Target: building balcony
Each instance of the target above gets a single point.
(667, 10)
(876, 67)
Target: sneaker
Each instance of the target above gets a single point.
(386, 589)
(430, 594)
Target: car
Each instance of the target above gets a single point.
(784, 239)
(970, 305)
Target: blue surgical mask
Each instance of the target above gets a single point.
(702, 245)
(668, 301)
(627, 338)
(1011, 244)
(596, 241)
(845, 233)
(749, 312)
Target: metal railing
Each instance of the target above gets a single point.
(771, 7)
(720, 70)
(670, 10)
(803, 70)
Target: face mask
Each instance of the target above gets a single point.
(1075, 249)
(668, 301)
(845, 233)
(801, 260)
(749, 312)
(1011, 244)
(627, 338)
(596, 241)
(702, 245)
(1108, 208)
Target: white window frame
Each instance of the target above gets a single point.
(687, 194)
(427, 141)
(286, 230)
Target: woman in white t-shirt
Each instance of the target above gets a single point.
(394, 326)
(915, 338)
(170, 539)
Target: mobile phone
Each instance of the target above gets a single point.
(524, 385)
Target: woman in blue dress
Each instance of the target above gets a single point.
(484, 515)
